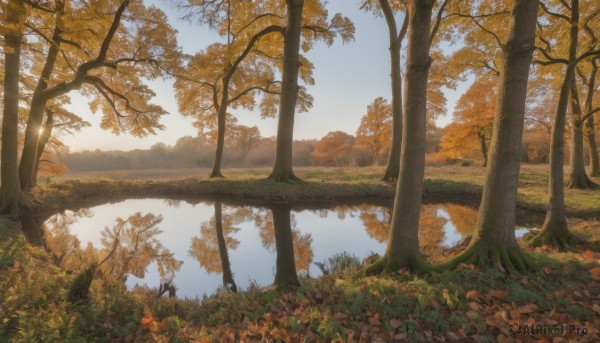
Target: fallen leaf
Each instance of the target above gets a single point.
(374, 321)
(474, 306)
(339, 316)
(596, 308)
(595, 273)
(474, 294)
(498, 294)
(400, 337)
(395, 323)
(588, 255)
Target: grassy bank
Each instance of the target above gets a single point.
(321, 187)
(466, 304)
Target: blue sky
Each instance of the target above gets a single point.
(348, 76)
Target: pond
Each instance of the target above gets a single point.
(200, 247)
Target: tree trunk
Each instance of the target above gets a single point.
(27, 167)
(484, 149)
(285, 270)
(282, 169)
(44, 137)
(226, 266)
(403, 244)
(590, 126)
(555, 230)
(11, 200)
(494, 235)
(593, 147)
(221, 126)
(393, 165)
(577, 177)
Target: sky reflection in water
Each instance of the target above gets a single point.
(190, 249)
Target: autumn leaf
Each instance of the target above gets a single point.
(588, 255)
(498, 294)
(395, 323)
(473, 294)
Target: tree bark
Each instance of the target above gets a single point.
(494, 235)
(44, 137)
(592, 147)
(555, 230)
(484, 149)
(226, 266)
(27, 167)
(282, 169)
(11, 201)
(393, 165)
(577, 176)
(590, 125)
(221, 126)
(285, 268)
(403, 244)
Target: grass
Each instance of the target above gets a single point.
(465, 304)
(321, 186)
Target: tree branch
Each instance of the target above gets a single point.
(438, 21)
(554, 14)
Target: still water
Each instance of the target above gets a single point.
(199, 247)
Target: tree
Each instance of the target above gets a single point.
(578, 177)
(245, 138)
(230, 75)
(14, 13)
(137, 43)
(245, 67)
(473, 120)
(376, 128)
(395, 37)
(389, 9)
(591, 107)
(318, 29)
(403, 245)
(333, 149)
(494, 236)
(555, 230)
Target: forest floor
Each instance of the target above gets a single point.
(320, 187)
(558, 303)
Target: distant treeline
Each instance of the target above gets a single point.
(335, 149)
(194, 152)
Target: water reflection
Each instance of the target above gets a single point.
(216, 237)
(126, 248)
(201, 247)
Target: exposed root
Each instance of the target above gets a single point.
(414, 264)
(580, 181)
(286, 285)
(561, 241)
(512, 260)
(216, 175)
(14, 208)
(390, 176)
(284, 177)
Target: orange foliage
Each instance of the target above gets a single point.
(375, 130)
(333, 149)
(473, 120)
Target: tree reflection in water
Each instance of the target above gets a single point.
(434, 228)
(129, 247)
(210, 249)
